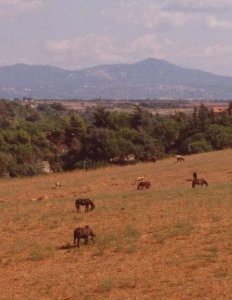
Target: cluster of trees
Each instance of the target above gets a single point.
(69, 140)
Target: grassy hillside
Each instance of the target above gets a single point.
(169, 242)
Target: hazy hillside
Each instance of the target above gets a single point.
(151, 78)
(168, 242)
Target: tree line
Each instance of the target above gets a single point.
(70, 140)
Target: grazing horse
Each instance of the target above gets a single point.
(89, 205)
(142, 184)
(198, 181)
(179, 158)
(83, 233)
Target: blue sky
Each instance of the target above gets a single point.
(75, 34)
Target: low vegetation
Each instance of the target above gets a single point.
(171, 241)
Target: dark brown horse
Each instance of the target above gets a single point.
(144, 184)
(89, 205)
(198, 181)
(83, 233)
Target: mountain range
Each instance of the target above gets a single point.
(150, 78)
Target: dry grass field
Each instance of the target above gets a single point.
(168, 242)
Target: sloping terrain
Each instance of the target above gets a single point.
(167, 242)
(150, 78)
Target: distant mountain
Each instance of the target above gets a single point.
(150, 78)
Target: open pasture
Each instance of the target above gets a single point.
(166, 242)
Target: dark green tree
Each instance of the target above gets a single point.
(101, 117)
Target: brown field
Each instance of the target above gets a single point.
(169, 242)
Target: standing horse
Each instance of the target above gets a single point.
(198, 181)
(179, 158)
(83, 233)
(89, 205)
(142, 184)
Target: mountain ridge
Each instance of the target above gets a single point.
(149, 78)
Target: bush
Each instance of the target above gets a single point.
(199, 146)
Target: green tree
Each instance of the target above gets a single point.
(230, 108)
(199, 146)
(5, 162)
(220, 136)
(197, 143)
(137, 117)
(140, 118)
(75, 129)
(101, 117)
(203, 117)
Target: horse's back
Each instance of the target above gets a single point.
(79, 201)
(146, 184)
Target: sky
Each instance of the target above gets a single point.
(77, 34)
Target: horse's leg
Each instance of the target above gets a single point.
(78, 208)
(78, 242)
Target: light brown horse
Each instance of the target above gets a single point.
(144, 184)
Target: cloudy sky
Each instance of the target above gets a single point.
(75, 34)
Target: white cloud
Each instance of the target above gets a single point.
(148, 45)
(148, 14)
(93, 49)
(215, 58)
(151, 14)
(18, 7)
(217, 50)
(96, 49)
(203, 3)
(215, 23)
(152, 18)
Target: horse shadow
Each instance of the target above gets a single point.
(66, 246)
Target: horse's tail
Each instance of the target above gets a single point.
(76, 203)
(74, 238)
